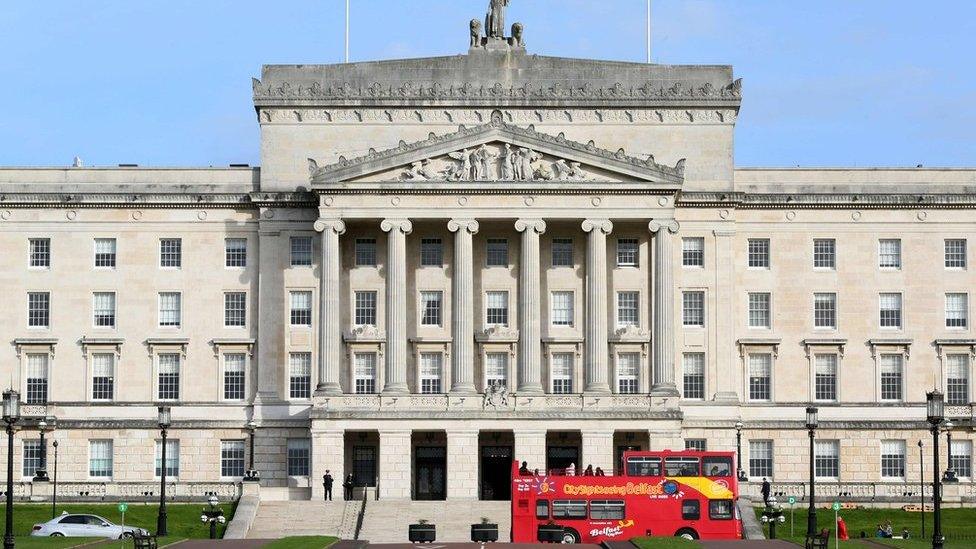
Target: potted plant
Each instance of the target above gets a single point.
(484, 532)
(550, 533)
(422, 532)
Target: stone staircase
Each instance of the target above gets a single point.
(277, 519)
(387, 521)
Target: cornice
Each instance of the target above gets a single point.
(877, 199)
(94, 199)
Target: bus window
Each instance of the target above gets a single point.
(720, 509)
(607, 509)
(569, 509)
(690, 509)
(717, 467)
(681, 466)
(542, 509)
(644, 466)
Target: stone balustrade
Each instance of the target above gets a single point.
(127, 491)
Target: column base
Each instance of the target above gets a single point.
(267, 398)
(726, 396)
(328, 389)
(466, 389)
(597, 389)
(529, 389)
(395, 390)
(665, 390)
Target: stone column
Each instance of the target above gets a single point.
(595, 360)
(530, 446)
(663, 366)
(396, 305)
(328, 452)
(394, 464)
(330, 329)
(597, 450)
(530, 313)
(462, 306)
(462, 465)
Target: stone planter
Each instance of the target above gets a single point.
(484, 532)
(422, 533)
(550, 533)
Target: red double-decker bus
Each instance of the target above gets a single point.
(688, 493)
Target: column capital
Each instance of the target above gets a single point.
(537, 225)
(604, 225)
(470, 225)
(670, 225)
(399, 224)
(332, 224)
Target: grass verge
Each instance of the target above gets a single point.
(183, 520)
(302, 542)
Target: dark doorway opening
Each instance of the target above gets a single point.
(430, 470)
(561, 457)
(618, 464)
(364, 466)
(496, 473)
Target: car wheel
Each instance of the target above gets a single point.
(57, 535)
(125, 535)
(570, 536)
(686, 533)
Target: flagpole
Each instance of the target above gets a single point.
(648, 31)
(347, 30)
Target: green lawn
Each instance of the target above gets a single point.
(51, 543)
(664, 543)
(302, 542)
(183, 520)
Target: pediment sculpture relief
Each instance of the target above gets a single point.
(502, 163)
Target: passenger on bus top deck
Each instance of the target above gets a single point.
(524, 469)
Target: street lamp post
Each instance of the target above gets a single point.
(54, 494)
(213, 516)
(11, 414)
(921, 482)
(164, 423)
(950, 472)
(251, 475)
(772, 514)
(935, 408)
(812, 512)
(41, 473)
(740, 473)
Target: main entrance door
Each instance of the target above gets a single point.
(561, 457)
(496, 472)
(430, 470)
(364, 466)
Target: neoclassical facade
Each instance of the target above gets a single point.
(446, 264)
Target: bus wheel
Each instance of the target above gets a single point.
(570, 536)
(686, 533)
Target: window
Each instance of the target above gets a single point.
(761, 458)
(824, 253)
(957, 310)
(232, 458)
(825, 310)
(542, 509)
(37, 375)
(569, 509)
(299, 450)
(170, 253)
(497, 252)
(235, 309)
(690, 509)
(759, 310)
(891, 376)
(720, 509)
(431, 371)
(431, 252)
(365, 252)
(100, 458)
(301, 308)
(561, 370)
(825, 377)
(693, 367)
(628, 368)
(301, 251)
(693, 252)
(38, 309)
(169, 377)
(893, 459)
(300, 375)
(172, 458)
(826, 459)
(170, 309)
(760, 372)
(644, 466)
(40, 253)
(103, 306)
(365, 313)
(890, 310)
(431, 306)
(103, 376)
(105, 253)
(562, 308)
(957, 379)
(696, 444)
(955, 253)
(496, 311)
(365, 373)
(681, 466)
(496, 370)
(562, 252)
(626, 252)
(962, 458)
(32, 457)
(234, 376)
(693, 309)
(759, 253)
(607, 509)
(235, 252)
(627, 311)
(889, 253)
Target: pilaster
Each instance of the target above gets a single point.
(663, 364)
(595, 358)
(530, 447)
(394, 464)
(396, 304)
(327, 454)
(330, 329)
(269, 340)
(726, 378)
(462, 307)
(530, 313)
(597, 450)
(462, 465)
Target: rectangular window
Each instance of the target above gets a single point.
(365, 373)
(562, 308)
(301, 308)
(693, 252)
(103, 306)
(826, 459)
(693, 374)
(100, 458)
(431, 252)
(37, 376)
(497, 252)
(38, 309)
(301, 251)
(893, 459)
(890, 310)
(430, 303)
(561, 371)
(693, 309)
(300, 375)
(40, 253)
(962, 458)
(696, 444)
(628, 313)
(759, 310)
(891, 376)
(628, 369)
(365, 252)
(168, 384)
(431, 372)
(825, 310)
(824, 253)
(170, 253)
(627, 252)
(607, 509)
(759, 253)
(496, 309)
(825, 377)
(232, 458)
(105, 253)
(760, 374)
(957, 310)
(170, 309)
(761, 459)
(235, 309)
(365, 313)
(103, 376)
(569, 509)
(889, 253)
(299, 452)
(957, 379)
(32, 457)
(234, 376)
(955, 253)
(172, 458)
(562, 252)
(235, 252)
(496, 370)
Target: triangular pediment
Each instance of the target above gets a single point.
(496, 152)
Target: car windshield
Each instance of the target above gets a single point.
(72, 519)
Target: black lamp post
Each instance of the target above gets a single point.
(11, 414)
(251, 475)
(54, 494)
(921, 482)
(950, 472)
(41, 473)
(935, 408)
(164, 423)
(812, 512)
(213, 516)
(772, 514)
(740, 473)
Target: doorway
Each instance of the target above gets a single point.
(430, 473)
(561, 457)
(364, 466)
(496, 473)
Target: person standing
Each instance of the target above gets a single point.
(765, 491)
(347, 488)
(327, 482)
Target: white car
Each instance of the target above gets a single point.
(84, 526)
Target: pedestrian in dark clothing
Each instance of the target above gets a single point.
(347, 488)
(524, 469)
(327, 481)
(765, 491)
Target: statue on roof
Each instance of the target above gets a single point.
(495, 19)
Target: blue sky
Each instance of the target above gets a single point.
(153, 82)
